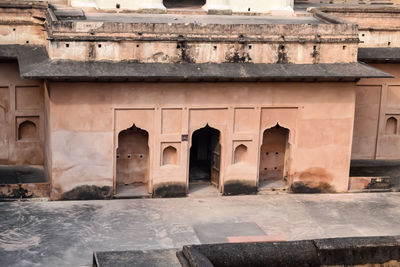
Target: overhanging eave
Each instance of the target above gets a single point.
(34, 63)
(379, 54)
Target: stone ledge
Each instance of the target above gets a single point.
(34, 63)
(363, 251)
(379, 54)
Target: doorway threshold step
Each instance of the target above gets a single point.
(118, 196)
(269, 190)
(272, 185)
(132, 191)
(202, 189)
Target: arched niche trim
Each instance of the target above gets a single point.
(133, 127)
(211, 125)
(277, 124)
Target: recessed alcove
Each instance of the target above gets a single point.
(391, 126)
(240, 154)
(170, 156)
(27, 130)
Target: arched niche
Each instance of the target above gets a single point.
(274, 154)
(27, 130)
(170, 156)
(141, 118)
(288, 126)
(391, 126)
(240, 154)
(132, 157)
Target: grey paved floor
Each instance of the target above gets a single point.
(66, 233)
(202, 189)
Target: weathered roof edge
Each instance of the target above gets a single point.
(319, 13)
(379, 54)
(23, 4)
(359, 8)
(34, 63)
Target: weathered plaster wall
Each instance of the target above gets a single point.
(21, 118)
(205, 52)
(378, 100)
(378, 26)
(22, 26)
(318, 115)
(234, 41)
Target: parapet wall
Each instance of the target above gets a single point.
(378, 26)
(353, 251)
(72, 34)
(203, 39)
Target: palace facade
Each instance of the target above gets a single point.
(103, 99)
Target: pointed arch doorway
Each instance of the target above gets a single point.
(204, 161)
(274, 155)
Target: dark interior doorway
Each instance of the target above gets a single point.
(132, 162)
(184, 3)
(273, 157)
(205, 154)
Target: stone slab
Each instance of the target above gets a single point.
(219, 232)
(358, 251)
(261, 238)
(139, 258)
(352, 251)
(283, 254)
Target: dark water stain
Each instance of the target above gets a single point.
(282, 55)
(88, 192)
(322, 187)
(237, 187)
(170, 190)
